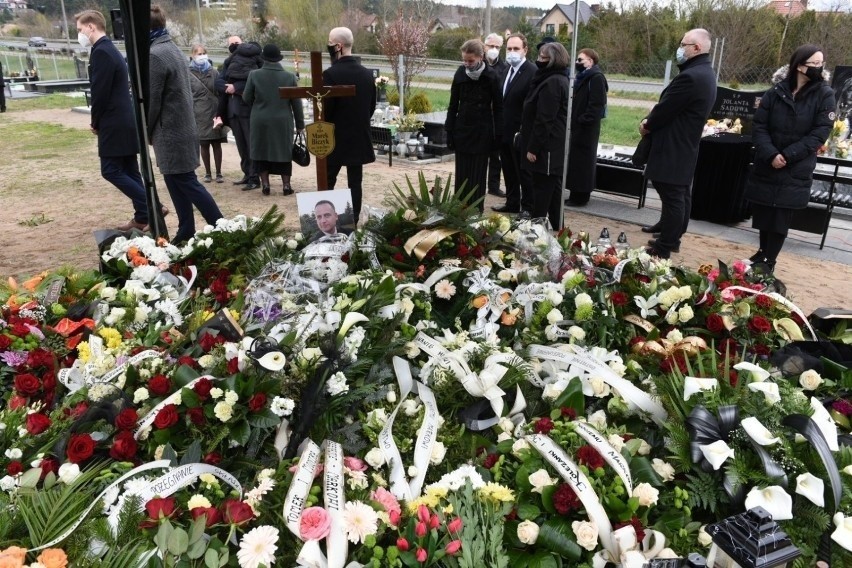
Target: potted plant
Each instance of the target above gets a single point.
(382, 88)
(407, 125)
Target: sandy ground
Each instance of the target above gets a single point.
(82, 202)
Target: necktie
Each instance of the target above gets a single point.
(509, 80)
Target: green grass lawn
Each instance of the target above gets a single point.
(621, 125)
(44, 102)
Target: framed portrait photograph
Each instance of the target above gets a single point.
(325, 213)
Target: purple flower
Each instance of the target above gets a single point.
(844, 407)
(35, 331)
(14, 358)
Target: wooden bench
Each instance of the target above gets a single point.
(381, 136)
(815, 218)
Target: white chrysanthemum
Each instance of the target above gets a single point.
(359, 520)
(445, 289)
(258, 547)
(216, 392)
(231, 397)
(282, 406)
(198, 501)
(336, 384)
(223, 411)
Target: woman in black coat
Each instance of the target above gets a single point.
(474, 119)
(793, 120)
(587, 110)
(542, 139)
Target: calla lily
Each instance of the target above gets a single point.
(811, 487)
(238, 350)
(774, 499)
(788, 329)
(351, 319)
(847, 470)
(717, 453)
(769, 390)
(273, 361)
(842, 535)
(692, 385)
(758, 373)
(825, 422)
(758, 432)
(742, 309)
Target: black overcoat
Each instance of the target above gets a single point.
(112, 107)
(351, 115)
(794, 128)
(475, 114)
(513, 98)
(586, 114)
(544, 121)
(677, 121)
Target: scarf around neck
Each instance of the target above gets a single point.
(155, 33)
(476, 72)
(201, 68)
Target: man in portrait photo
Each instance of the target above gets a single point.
(328, 220)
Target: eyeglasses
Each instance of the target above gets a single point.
(687, 44)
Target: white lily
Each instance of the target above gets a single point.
(238, 350)
(351, 319)
(273, 361)
(758, 432)
(647, 307)
(758, 373)
(717, 453)
(826, 424)
(692, 385)
(811, 487)
(847, 470)
(774, 499)
(769, 390)
(842, 535)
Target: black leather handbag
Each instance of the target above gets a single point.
(300, 151)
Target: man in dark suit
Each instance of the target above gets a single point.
(350, 115)
(675, 125)
(493, 44)
(113, 120)
(515, 83)
(2, 90)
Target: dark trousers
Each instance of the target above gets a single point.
(674, 217)
(547, 199)
(354, 177)
(494, 171)
(471, 172)
(240, 127)
(123, 173)
(518, 181)
(186, 191)
(2, 92)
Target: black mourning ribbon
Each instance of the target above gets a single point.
(704, 429)
(480, 416)
(805, 426)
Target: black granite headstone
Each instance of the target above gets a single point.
(841, 82)
(736, 104)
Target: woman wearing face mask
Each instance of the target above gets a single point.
(204, 101)
(474, 119)
(794, 119)
(542, 139)
(590, 89)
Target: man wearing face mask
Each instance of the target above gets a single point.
(113, 121)
(493, 43)
(675, 125)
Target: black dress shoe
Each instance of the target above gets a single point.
(497, 192)
(506, 209)
(251, 185)
(265, 190)
(243, 181)
(654, 251)
(653, 243)
(651, 229)
(571, 203)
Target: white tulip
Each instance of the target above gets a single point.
(717, 453)
(692, 385)
(811, 487)
(774, 499)
(758, 432)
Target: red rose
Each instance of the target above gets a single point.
(761, 350)
(188, 361)
(543, 426)
(5, 342)
(213, 458)
(80, 448)
(491, 460)
(124, 446)
(590, 457)
(160, 385)
(236, 512)
(49, 465)
(208, 341)
(202, 388)
(48, 381)
(233, 366)
(37, 423)
(19, 329)
(17, 401)
(14, 468)
(212, 514)
(196, 416)
(257, 402)
(126, 419)
(40, 358)
(160, 508)
(715, 323)
(166, 417)
(565, 500)
(79, 410)
(619, 299)
(709, 300)
(759, 324)
(764, 301)
(27, 384)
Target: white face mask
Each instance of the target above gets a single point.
(680, 55)
(200, 59)
(513, 57)
(83, 40)
(492, 53)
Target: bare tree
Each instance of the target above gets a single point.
(409, 37)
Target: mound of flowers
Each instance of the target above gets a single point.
(437, 389)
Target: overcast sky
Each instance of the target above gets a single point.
(545, 5)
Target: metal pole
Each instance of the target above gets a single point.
(668, 74)
(200, 28)
(401, 85)
(715, 47)
(65, 22)
(721, 53)
(574, 39)
(56, 67)
(487, 18)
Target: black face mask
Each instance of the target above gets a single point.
(233, 47)
(332, 51)
(579, 67)
(814, 73)
(542, 64)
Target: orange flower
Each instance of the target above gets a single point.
(139, 261)
(132, 251)
(33, 282)
(479, 301)
(13, 557)
(53, 558)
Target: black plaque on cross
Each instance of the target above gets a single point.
(317, 91)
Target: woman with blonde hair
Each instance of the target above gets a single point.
(204, 101)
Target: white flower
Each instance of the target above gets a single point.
(847, 470)
(231, 397)
(521, 445)
(684, 314)
(664, 469)
(206, 361)
(541, 479)
(411, 350)
(758, 432)
(375, 458)
(554, 316)
(646, 494)
(597, 419)
(812, 488)
(842, 535)
(258, 547)
(717, 453)
(14, 453)
(359, 521)
(616, 441)
(774, 499)
(140, 395)
(599, 388)
(644, 448)
(391, 396)
(223, 411)
(528, 532)
(216, 392)
(336, 384)
(586, 533)
(198, 501)
(108, 293)
(576, 333)
(7, 483)
(583, 300)
(825, 423)
(377, 417)
(503, 436)
(810, 380)
(282, 406)
(438, 453)
(675, 336)
(553, 390)
(704, 538)
(506, 425)
(692, 385)
(412, 471)
(769, 390)
(273, 361)
(410, 407)
(758, 374)
(68, 472)
(445, 289)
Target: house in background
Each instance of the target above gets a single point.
(789, 8)
(560, 18)
(454, 17)
(356, 19)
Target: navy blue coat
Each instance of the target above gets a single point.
(112, 107)
(677, 121)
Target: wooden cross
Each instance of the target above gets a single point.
(317, 92)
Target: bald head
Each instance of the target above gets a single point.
(342, 36)
(700, 37)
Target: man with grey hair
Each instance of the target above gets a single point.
(493, 43)
(675, 125)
